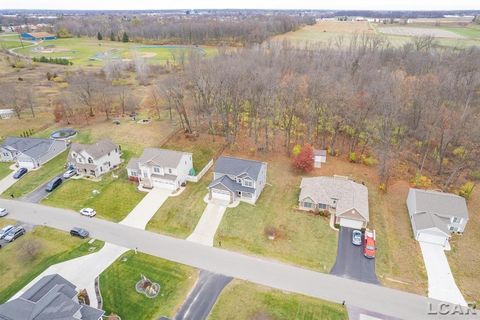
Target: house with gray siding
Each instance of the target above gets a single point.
(237, 179)
(436, 215)
(96, 159)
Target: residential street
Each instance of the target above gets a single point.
(201, 300)
(255, 269)
(350, 262)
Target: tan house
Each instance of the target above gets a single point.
(345, 199)
(95, 159)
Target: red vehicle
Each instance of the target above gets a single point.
(369, 244)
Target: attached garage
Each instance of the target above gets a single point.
(350, 223)
(165, 184)
(219, 194)
(432, 237)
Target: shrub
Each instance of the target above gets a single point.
(421, 181)
(61, 61)
(352, 157)
(304, 160)
(466, 190)
(474, 175)
(29, 250)
(369, 161)
(296, 150)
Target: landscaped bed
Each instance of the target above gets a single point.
(117, 285)
(18, 269)
(243, 300)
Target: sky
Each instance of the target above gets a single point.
(242, 4)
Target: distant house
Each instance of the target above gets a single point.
(436, 215)
(30, 152)
(6, 113)
(52, 297)
(37, 36)
(237, 179)
(319, 157)
(161, 168)
(95, 159)
(344, 198)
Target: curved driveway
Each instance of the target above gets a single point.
(261, 271)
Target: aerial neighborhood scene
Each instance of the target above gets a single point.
(229, 160)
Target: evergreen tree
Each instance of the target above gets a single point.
(125, 37)
(112, 36)
(99, 36)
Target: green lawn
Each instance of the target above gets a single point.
(34, 179)
(243, 300)
(116, 199)
(117, 285)
(179, 215)
(5, 169)
(302, 239)
(472, 32)
(55, 247)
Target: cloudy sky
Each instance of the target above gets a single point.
(244, 4)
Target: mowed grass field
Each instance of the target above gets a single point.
(54, 247)
(117, 285)
(5, 169)
(90, 51)
(242, 300)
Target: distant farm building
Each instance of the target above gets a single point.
(38, 36)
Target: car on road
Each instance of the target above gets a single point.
(5, 230)
(357, 237)
(15, 233)
(79, 232)
(52, 185)
(3, 212)
(369, 248)
(20, 172)
(69, 173)
(89, 212)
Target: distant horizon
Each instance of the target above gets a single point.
(329, 5)
(248, 9)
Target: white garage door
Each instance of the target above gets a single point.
(221, 195)
(349, 223)
(431, 238)
(26, 164)
(164, 184)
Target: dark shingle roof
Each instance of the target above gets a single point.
(230, 184)
(95, 150)
(33, 147)
(45, 284)
(161, 157)
(236, 166)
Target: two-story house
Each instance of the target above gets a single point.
(237, 179)
(161, 168)
(436, 215)
(96, 159)
(347, 200)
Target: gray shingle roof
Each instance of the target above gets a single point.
(317, 152)
(230, 184)
(443, 204)
(349, 194)
(42, 286)
(95, 150)
(161, 157)
(133, 164)
(236, 166)
(33, 147)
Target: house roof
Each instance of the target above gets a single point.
(95, 150)
(51, 298)
(424, 221)
(6, 111)
(133, 164)
(317, 152)
(236, 166)
(442, 204)
(230, 184)
(32, 147)
(348, 194)
(161, 157)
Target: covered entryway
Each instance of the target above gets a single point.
(350, 223)
(433, 238)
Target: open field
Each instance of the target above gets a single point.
(89, 51)
(117, 285)
(242, 300)
(416, 31)
(5, 169)
(55, 247)
(34, 179)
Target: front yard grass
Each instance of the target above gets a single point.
(5, 169)
(34, 179)
(117, 286)
(302, 239)
(179, 215)
(116, 197)
(55, 247)
(243, 300)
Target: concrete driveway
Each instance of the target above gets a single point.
(441, 284)
(350, 262)
(7, 182)
(207, 226)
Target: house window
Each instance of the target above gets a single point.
(322, 206)
(156, 169)
(101, 169)
(133, 173)
(453, 229)
(248, 183)
(90, 160)
(307, 205)
(109, 154)
(169, 170)
(456, 220)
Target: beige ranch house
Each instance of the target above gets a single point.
(345, 199)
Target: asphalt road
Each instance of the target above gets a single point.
(38, 194)
(258, 270)
(200, 301)
(350, 262)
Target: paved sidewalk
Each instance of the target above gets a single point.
(206, 228)
(441, 284)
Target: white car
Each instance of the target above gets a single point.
(69, 173)
(5, 230)
(3, 212)
(89, 212)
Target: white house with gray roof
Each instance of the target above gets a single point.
(94, 160)
(237, 179)
(436, 215)
(52, 298)
(161, 168)
(30, 153)
(346, 199)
